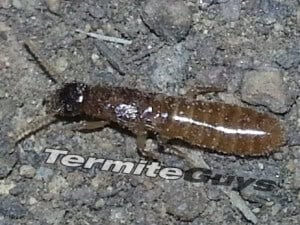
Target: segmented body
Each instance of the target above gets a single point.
(218, 126)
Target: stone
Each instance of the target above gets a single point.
(53, 5)
(231, 10)
(27, 171)
(266, 87)
(170, 19)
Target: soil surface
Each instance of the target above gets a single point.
(251, 48)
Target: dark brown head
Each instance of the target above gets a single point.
(67, 101)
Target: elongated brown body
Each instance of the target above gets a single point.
(217, 126)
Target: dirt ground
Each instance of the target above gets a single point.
(249, 47)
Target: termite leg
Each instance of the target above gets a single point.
(167, 148)
(141, 139)
(141, 146)
(89, 125)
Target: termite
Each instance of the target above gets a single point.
(224, 128)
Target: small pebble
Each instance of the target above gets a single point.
(266, 87)
(5, 187)
(278, 27)
(167, 68)
(17, 4)
(231, 10)
(17, 190)
(97, 12)
(278, 156)
(95, 58)
(261, 166)
(291, 166)
(4, 28)
(269, 203)
(170, 19)
(99, 204)
(288, 58)
(83, 195)
(275, 209)
(53, 6)
(32, 201)
(57, 184)
(6, 4)
(256, 210)
(187, 206)
(27, 171)
(75, 179)
(61, 64)
(54, 216)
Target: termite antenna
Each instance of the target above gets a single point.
(32, 127)
(47, 68)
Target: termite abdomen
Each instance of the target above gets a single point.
(229, 129)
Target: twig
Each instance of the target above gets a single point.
(105, 38)
(239, 203)
(145, 53)
(113, 59)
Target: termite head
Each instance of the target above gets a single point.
(67, 101)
